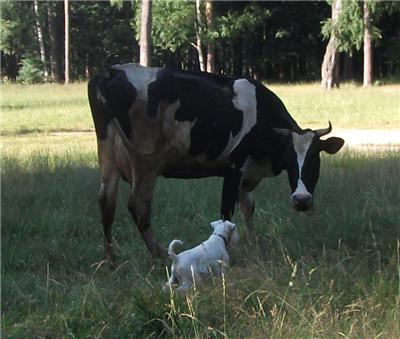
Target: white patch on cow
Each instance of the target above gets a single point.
(168, 117)
(301, 190)
(244, 100)
(181, 136)
(139, 76)
(301, 144)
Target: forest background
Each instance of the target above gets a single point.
(287, 41)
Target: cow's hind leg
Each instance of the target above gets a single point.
(246, 204)
(140, 207)
(107, 201)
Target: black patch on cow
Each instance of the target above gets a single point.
(100, 116)
(119, 94)
(163, 88)
(212, 109)
(311, 167)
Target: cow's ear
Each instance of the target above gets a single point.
(332, 145)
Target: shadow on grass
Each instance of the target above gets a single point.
(56, 282)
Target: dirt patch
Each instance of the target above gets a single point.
(366, 139)
(379, 139)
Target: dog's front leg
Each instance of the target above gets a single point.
(184, 288)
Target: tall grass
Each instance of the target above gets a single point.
(333, 272)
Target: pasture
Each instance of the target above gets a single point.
(330, 273)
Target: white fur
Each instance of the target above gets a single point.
(301, 143)
(139, 76)
(211, 257)
(245, 101)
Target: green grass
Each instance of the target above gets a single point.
(44, 108)
(49, 108)
(331, 273)
(349, 107)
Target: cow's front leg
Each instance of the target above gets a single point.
(230, 190)
(246, 204)
(140, 207)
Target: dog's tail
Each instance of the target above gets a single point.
(171, 252)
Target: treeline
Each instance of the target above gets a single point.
(278, 41)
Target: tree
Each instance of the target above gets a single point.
(145, 32)
(241, 53)
(368, 66)
(18, 39)
(54, 20)
(199, 33)
(330, 64)
(40, 38)
(210, 43)
(66, 33)
(278, 41)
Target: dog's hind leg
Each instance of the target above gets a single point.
(184, 288)
(173, 280)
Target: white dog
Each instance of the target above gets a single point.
(209, 258)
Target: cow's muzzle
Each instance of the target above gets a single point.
(302, 202)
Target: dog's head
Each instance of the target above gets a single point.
(227, 229)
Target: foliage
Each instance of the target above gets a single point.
(111, 42)
(173, 25)
(236, 24)
(16, 27)
(30, 72)
(350, 28)
(269, 40)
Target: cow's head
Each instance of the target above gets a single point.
(302, 161)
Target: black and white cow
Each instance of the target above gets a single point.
(153, 121)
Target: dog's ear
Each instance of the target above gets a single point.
(214, 224)
(230, 225)
(233, 236)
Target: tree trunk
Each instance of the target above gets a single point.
(330, 64)
(199, 44)
(368, 66)
(210, 44)
(145, 33)
(348, 69)
(55, 60)
(39, 33)
(66, 32)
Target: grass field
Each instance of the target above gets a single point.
(331, 273)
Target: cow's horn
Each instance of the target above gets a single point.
(282, 131)
(324, 131)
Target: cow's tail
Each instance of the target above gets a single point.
(171, 252)
(100, 115)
